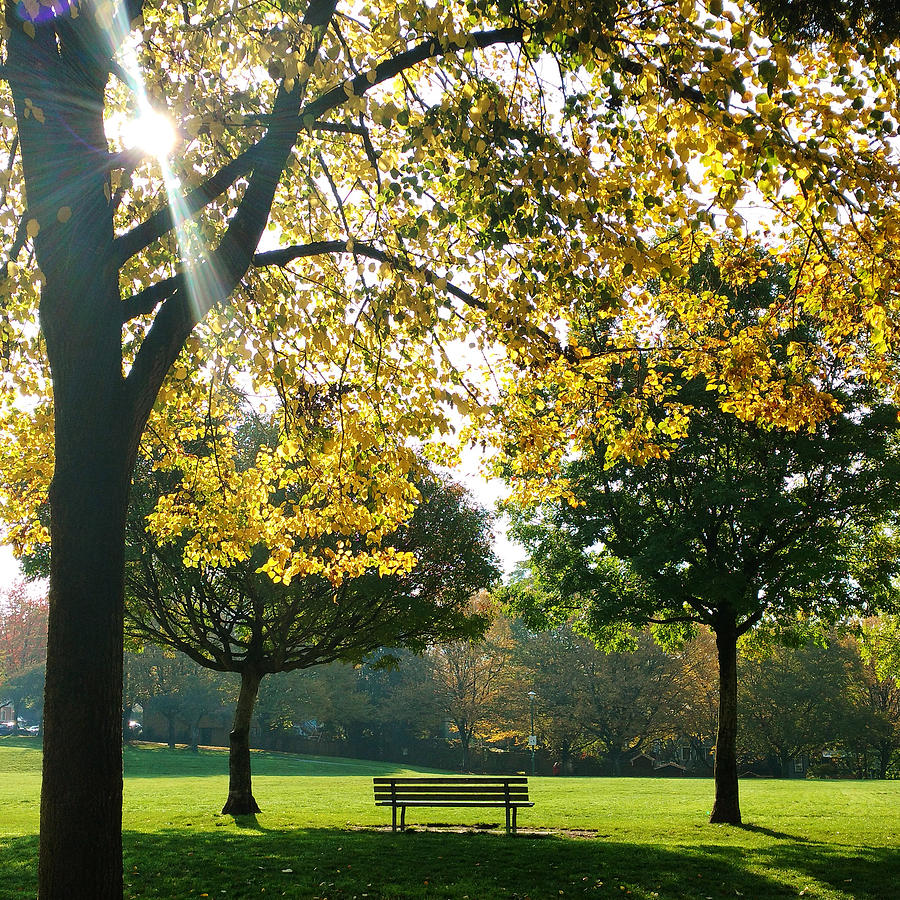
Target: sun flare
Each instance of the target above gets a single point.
(150, 131)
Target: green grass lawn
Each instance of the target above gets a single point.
(320, 836)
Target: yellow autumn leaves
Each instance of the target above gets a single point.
(552, 215)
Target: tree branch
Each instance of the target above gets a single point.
(214, 279)
(144, 302)
(285, 255)
(161, 222)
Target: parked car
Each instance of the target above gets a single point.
(7, 727)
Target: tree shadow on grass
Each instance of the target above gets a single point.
(344, 864)
(864, 873)
(778, 835)
(246, 823)
(307, 863)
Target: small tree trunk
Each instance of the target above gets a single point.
(170, 721)
(616, 759)
(885, 752)
(464, 736)
(240, 800)
(785, 762)
(726, 808)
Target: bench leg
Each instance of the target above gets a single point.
(507, 819)
(402, 818)
(515, 813)
(393, 817)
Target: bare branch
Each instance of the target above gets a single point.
(144, 302)
(285, 255)
(17, 245)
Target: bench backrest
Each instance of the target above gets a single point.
(499, 788)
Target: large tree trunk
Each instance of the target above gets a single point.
(63, 157)
(726, 808)
(240, 800)
(81, 797)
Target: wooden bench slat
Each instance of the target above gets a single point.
(482, 803)
(411, 789)
(452, 779)
(474, 798)
(509, 792)
(455, 789)
(425, 799)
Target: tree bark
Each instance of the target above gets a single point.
(81, 797)
(240, 800)
(726, 808)
(80, 846)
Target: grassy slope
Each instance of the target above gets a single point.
(607, 837)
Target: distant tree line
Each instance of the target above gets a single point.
(827, 708)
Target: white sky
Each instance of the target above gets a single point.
(9, 568)
(487, 493)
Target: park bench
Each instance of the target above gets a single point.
(510, 791)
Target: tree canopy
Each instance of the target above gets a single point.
(730, 525)
(235, 618)
(426, 177)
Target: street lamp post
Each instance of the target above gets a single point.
(532, 737)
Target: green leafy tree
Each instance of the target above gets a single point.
(236, 619)
(845, 20)
(401, 703)
(738, 527)
(614, 704)
(728, 525)
(876, 689)
(328, 695)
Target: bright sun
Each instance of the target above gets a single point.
(151, 132)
